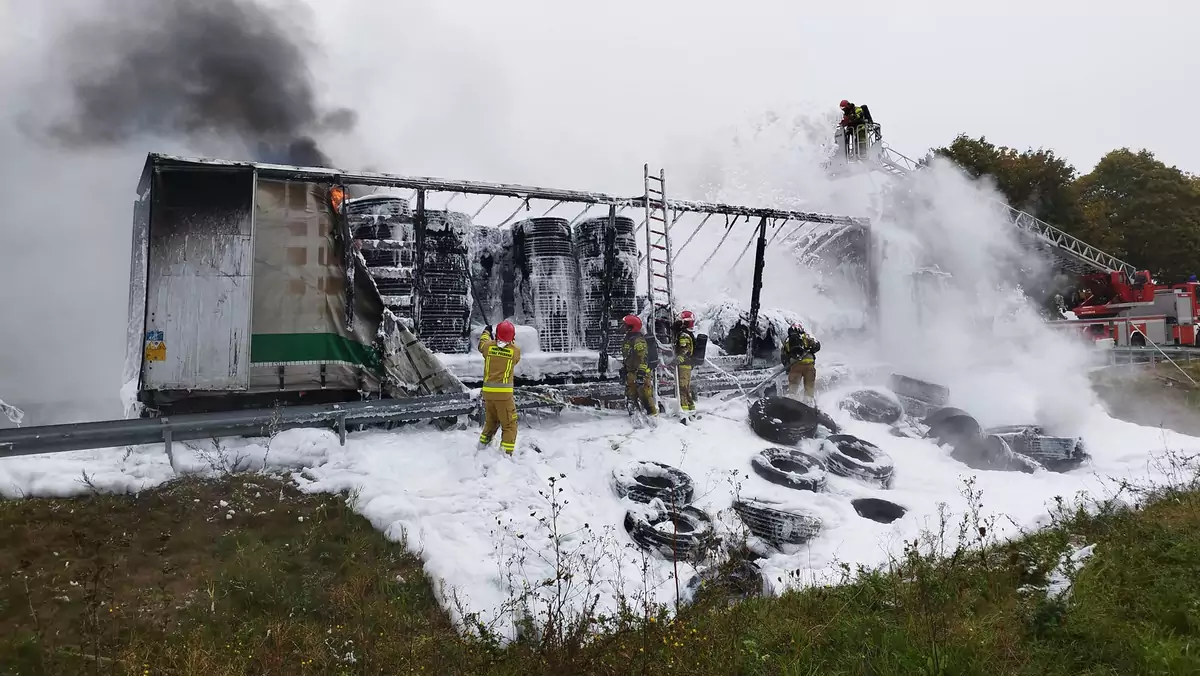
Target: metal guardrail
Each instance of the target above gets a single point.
(1151, 354)
(258, 422)
(266, 422)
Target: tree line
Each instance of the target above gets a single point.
(1130, 205)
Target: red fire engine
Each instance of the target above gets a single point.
(1135, 311)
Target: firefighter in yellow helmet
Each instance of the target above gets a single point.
(685, 349)
(639, 379)
(500, 411)
(799, 356)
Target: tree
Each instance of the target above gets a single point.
(1035, 181)
(1152, 209)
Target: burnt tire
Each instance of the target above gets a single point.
(952, 426)
(784, 420)
(991, 452)
(849, 456)
(775, 525)
(923, 391)
(682, 534)
(877, 510)
(1056, 454)
(874, 406)
(790, 468)
(644, 481)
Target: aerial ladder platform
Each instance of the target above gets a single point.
(863, 149)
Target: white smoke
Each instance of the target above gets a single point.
(964, 323)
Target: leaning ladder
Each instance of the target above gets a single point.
(660, 289)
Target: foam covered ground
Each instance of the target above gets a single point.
(474, 516)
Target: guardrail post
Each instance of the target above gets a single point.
(341, 428)
(168, 449)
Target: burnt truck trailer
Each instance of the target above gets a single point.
(257, 285)
(243, 293)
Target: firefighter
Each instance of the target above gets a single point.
(685, 348)
(500, 411)
(799, 356)
(855, 122)
(852, 115)
(639, 379)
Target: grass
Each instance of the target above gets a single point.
(165, 583)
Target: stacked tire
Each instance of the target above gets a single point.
(445, 312)
(618, 273)
(382, 229)
(663, 521)
(549, 284)
(491, 255)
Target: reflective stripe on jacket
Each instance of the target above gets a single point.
(498, 363)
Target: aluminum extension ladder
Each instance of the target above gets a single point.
(660, 289)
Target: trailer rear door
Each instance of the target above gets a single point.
(198, 280)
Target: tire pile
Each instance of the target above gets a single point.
(663, 521)
(382, 229)
(549, 283)
(1014, 448)
(786, 421)
(597, 268)
(446, 297)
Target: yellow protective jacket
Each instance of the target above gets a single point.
(800, 349)
(633, 350)
(498, 363)
(685, 347)
(852, 117)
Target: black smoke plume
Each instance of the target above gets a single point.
(197, 69)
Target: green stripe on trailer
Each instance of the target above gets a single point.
(290, 348)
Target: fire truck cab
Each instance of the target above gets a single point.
(1135, 310)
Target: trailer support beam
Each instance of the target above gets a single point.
(756, 290)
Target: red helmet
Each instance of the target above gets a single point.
(688, 318)
(633, 322)
(505, 332)
(798, 327)
(844, 104)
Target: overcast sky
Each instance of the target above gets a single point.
(1079, 76)
(578, 95)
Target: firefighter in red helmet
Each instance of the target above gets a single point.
(854, 124)
(685, 349)
(500, 356)
(639, 379)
